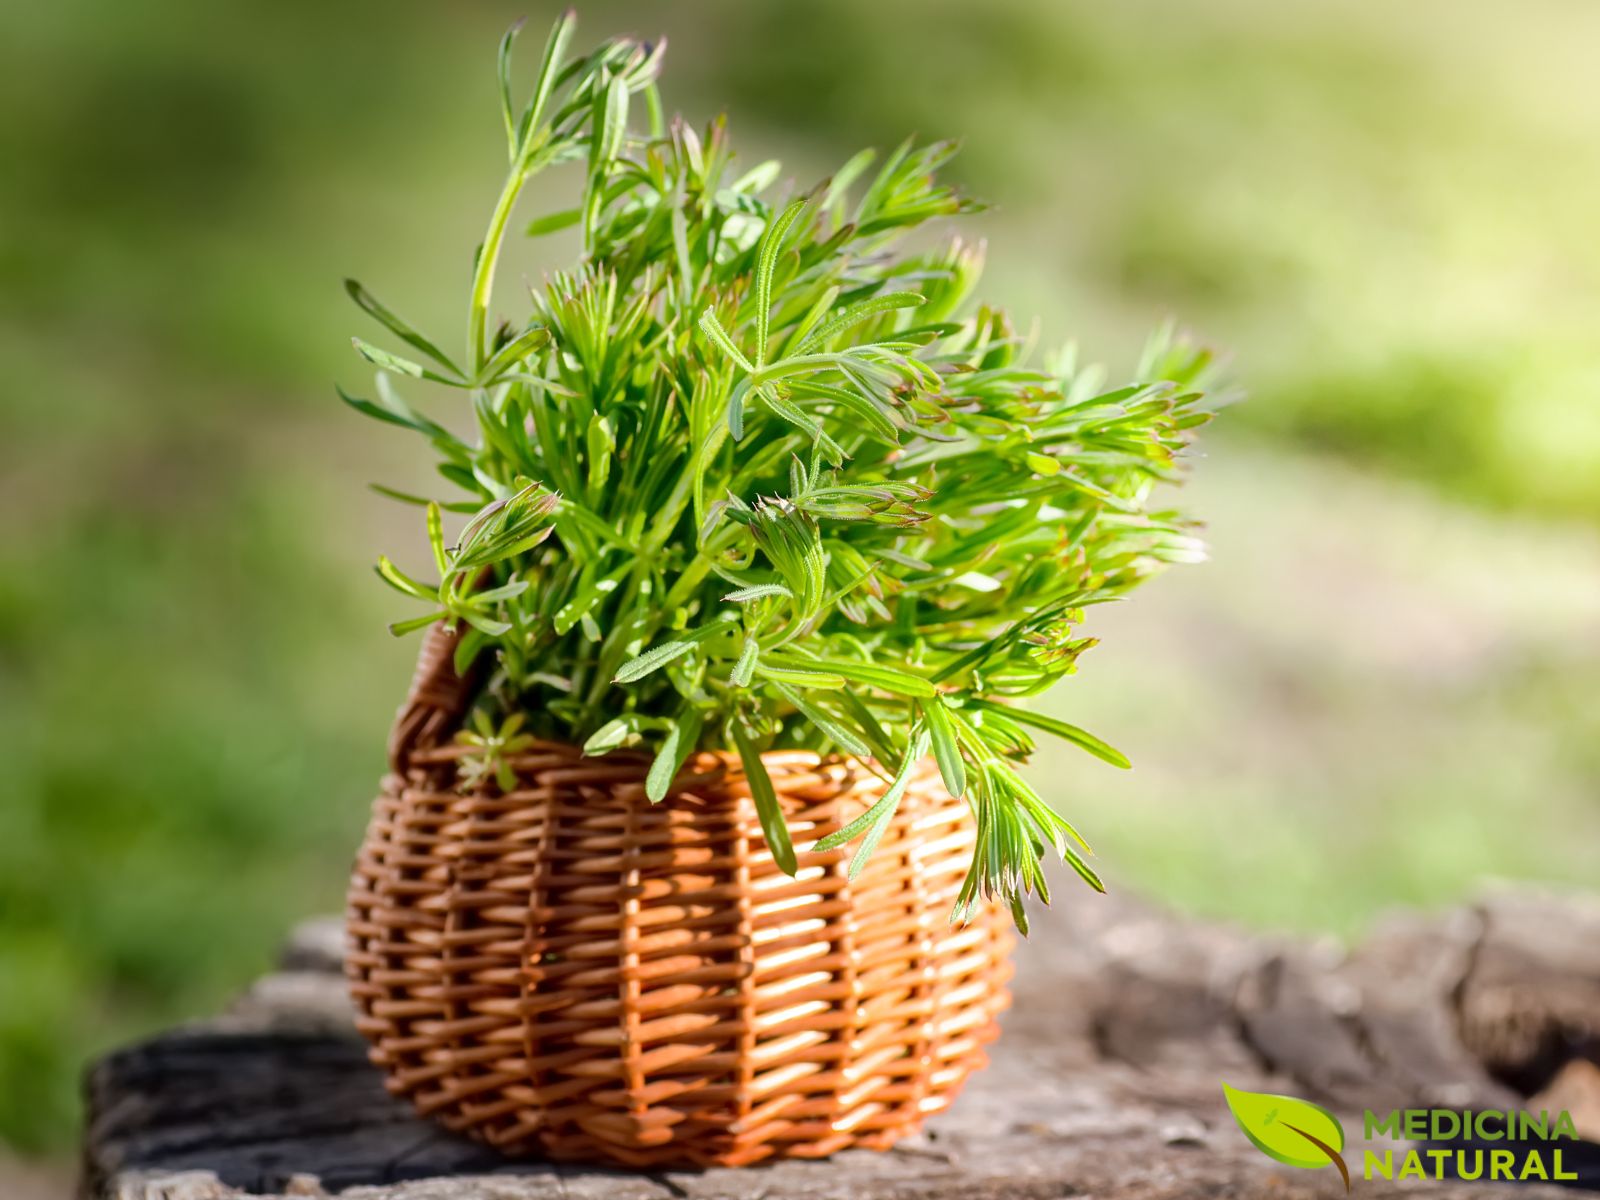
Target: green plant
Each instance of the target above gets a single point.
(754, 475)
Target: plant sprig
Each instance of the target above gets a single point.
(795, 488)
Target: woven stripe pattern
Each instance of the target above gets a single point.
(569, 971)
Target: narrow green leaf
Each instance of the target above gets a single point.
(659, 656)
(608, 127)
(768, 811)
(805, 677)
(421, 501)
(447, 443)
(368, 303)
(507, 111)
(369, 409)
(846, 175)
(469, 644)
(610, 735)
(401, 582)
(823, 305)
(485, 624)
(885, 806)
(584, 600)
(675, 750)
(846, 739)
(745, 668)
(1084, 870)
(415, 623)
(506, 591)
(554, 51)
(613, 125)
(1050, 822)
(1019, 913)
(855, 314)
(759, 591)
(512, 353)
(1081, 738)
(858, 860)
(379, 357)
(871, 728)
(878, 423)
(800, 419)
(712, 328)
(766, 261)
(599, 442)
(945, 750)
(651, 660)
(553, 222)
(887, 679)
(436, 539)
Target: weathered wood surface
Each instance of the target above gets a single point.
(1106, 1082)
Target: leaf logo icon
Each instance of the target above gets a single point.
(1292, 1131)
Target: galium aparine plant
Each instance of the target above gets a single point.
(752, 475)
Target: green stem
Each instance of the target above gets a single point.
(488, 255)
(543, 147)
(693, 575)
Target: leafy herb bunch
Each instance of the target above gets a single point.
(753, 475)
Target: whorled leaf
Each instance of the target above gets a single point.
(798, 485)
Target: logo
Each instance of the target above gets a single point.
(1425, 1143)
(1295, 1132)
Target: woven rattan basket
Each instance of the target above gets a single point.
(568, 970)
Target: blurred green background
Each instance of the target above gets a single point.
(1383, 689)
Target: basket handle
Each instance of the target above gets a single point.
(436, 701)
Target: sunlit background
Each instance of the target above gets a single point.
(1383, 689)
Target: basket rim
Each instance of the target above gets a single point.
(628, 768)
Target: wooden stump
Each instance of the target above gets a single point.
(1107, 1082)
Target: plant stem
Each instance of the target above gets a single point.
(488, 256)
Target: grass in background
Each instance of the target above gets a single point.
(1366, 699)
(1384, 210)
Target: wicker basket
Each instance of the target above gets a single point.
(570, 971)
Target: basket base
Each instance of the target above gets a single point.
(566, 971)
